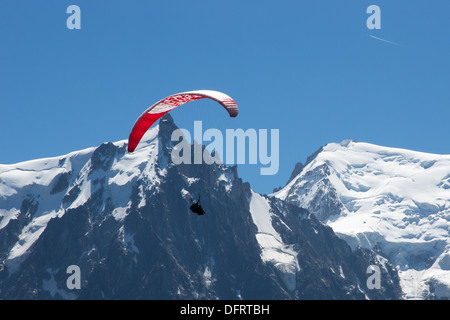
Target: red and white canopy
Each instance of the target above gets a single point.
(156, 111)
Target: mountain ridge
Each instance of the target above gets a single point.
(124, 220)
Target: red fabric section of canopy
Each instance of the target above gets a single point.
(141, 127)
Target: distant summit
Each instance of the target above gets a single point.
(393, 201)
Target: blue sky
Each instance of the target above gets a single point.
(307, 68)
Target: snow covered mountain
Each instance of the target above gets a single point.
(394, 201)
(124, 220)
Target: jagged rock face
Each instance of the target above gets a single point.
(124, 220)
(316, 193)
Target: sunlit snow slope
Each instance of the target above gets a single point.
(46, 188)
(393, 200)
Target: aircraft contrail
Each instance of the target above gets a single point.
(381, 39)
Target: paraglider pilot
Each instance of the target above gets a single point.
(196, 207)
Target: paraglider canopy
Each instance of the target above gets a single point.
(156, 111)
